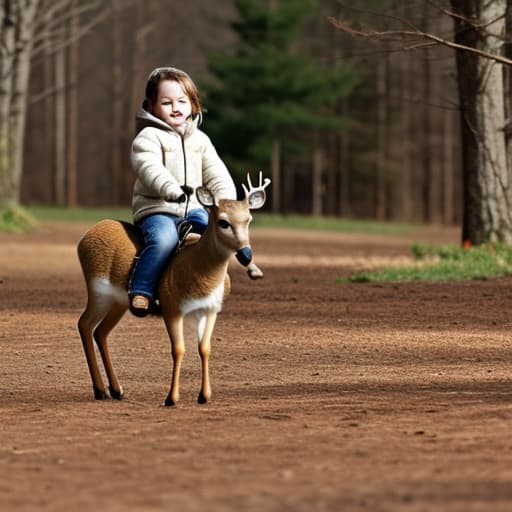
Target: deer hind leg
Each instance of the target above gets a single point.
(205, 330)
(174, 326)
(99, 304)
(100, 335)
(86, 324)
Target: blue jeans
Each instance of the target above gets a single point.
(160, 235)
(198, 217)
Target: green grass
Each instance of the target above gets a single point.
(16, 220)
(63, 214)
(330, 224)
(264, 220)
(445, 263)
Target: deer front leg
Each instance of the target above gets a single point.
(175, 329)
(204, 351)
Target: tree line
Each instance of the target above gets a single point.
(355, 110)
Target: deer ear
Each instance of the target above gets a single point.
(256, 199)
(204, 196)
(256, 196)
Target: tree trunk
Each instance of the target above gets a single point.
(117, 103)
(16, 39)
(145, 22)
(49, 106)
(317, 186)
(343, 142)
(508, 82)
(276, 152)
(60, 126)
(8, 43)
(448, 166)
(426, 131)
(72, 145)
(382, 163)
(487, 195)
(276, 176)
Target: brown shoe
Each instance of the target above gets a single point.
(139, 305)
(191, 239)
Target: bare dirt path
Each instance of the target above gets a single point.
(326, 396)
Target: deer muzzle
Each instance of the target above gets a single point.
(244, 255)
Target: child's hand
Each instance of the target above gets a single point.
(187, 192)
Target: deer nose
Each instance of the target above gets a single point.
(244, 255)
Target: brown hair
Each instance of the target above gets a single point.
(159, 74)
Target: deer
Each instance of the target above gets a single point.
(195, 283)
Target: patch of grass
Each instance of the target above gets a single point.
(16, 220)
(64, 214)
(446, 263)
(330, 224)
(57, 213)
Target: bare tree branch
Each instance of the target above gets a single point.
(61, 15)
(404, 34)
(84, 29)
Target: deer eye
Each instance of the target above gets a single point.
(223, 224)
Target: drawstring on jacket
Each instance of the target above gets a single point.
(187, 200)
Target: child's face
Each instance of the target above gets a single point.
(172, 104)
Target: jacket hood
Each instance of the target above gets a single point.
(145, 119)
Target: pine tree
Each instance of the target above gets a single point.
(270, 89)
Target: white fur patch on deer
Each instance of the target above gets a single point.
(212, 302)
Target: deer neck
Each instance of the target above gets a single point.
(214, 255)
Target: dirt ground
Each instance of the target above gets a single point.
(326, 396)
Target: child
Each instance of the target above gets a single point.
(171, 158)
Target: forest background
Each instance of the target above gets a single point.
(354, 127)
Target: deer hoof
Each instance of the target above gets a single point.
(101, 394)
(202, 399)
(254, 272)
(169, 402)
(115, 394)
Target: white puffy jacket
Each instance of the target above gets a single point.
(165, 159)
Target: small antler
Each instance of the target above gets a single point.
(256, 196)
